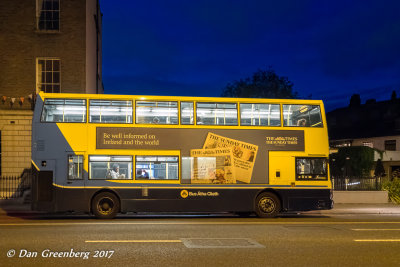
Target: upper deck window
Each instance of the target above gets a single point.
(217, 113)
(110, 111)
(156, 112)
(187, 115)
(260, 114)
(302, 116)
(64, 110)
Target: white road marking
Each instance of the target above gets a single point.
(375, 229)
(377, 240)
(133, 241)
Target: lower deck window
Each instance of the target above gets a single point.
(156, 167)
(110, 167)
(75, 166)
(311, 169)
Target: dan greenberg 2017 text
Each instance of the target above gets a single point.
(47, 253)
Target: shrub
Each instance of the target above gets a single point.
(393, 188)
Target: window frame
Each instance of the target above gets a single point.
(39, 86)
(245, 103)
(390, 142)
(38, 14)
(106, 179)
(132, 113)
(322, 178)
(216, 107)
(193, 114)
(85, 116)
(157, 179)
(157, 101)
(81, 172)
(320, 125)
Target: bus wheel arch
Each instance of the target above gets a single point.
(267, 204)
(105, 204)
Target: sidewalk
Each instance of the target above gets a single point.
(385, 208)
(16, 206)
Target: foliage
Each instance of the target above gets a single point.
(352, 161)
(262, 84)
(393, 188)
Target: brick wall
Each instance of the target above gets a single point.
(21, 43)
(20, 46)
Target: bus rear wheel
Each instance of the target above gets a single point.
(267, 205)
(105, 205)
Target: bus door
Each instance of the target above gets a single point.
(45, 180)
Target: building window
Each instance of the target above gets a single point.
(48, 75)
(368, 144)
(48, 15)
(390, 145)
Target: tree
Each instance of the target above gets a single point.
(379, 169)
(393, 96)
(352, 161)
(355, 100)
(262, 84)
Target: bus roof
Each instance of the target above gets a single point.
(44, 95)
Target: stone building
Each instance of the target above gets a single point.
(45, 45)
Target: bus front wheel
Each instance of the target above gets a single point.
(267, 205)
(105, 205)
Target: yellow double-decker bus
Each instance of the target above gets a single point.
(110, 154)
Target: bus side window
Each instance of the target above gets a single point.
(260, 115)
(187, 114)
(302, 116)
(311, 169)
(217, 113)
(156, 112)
(110, 111)
(75, 166)
(110, 167)
(157, 168)
(64, 110)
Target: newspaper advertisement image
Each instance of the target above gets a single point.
(212, 166)
(243, 154)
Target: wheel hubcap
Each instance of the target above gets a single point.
(267, 205)
(105, 206)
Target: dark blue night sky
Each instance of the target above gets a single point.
(328, 49)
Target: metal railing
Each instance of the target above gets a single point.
(351, 183)
(14, 186)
